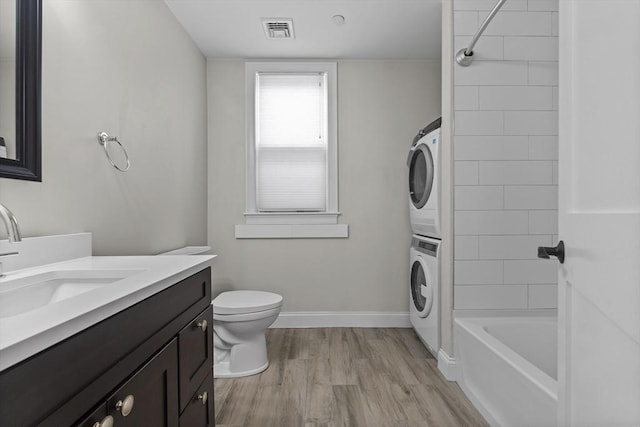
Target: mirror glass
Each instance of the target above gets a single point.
(20, 69)
(8, 79)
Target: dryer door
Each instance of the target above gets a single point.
(421, 287)
(420, 175)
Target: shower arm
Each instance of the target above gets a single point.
(464, 57)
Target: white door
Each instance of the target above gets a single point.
(599, 295)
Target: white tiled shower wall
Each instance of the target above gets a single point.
(506, 155)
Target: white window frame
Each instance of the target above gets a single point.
(291, 224)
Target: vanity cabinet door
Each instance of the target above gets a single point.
(199, 410)
(98, 418)
(150, 397)
(195, 350)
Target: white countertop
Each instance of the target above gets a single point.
(26, 334)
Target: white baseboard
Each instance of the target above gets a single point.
(447, 365)
(341, 319)
(478, 404)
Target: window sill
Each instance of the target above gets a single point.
(292, 231)
(291, 218)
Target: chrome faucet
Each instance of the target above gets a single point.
(13, 231)
(11, 223)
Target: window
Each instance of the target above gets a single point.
(291, 168)
(291, 142)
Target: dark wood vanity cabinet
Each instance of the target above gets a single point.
(154, 393)
(152, 367)
(148, 398)
(195, 342)
(96, 417)
(199, 409)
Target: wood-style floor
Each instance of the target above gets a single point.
(333, 377)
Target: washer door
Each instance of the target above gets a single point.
(421, 288)
(420, 175)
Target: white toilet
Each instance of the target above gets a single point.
(240, 320)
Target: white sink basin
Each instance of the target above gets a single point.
(32, 292)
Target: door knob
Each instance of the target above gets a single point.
(557, 251)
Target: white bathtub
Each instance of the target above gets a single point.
(507, 366)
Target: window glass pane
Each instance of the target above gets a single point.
(291, 179)
(291, 110)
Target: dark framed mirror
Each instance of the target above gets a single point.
(21, 158)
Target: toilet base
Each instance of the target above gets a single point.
(239, 360)
(221, 370)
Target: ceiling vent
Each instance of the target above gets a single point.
(278, 28)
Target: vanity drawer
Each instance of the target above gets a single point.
(195, 352)
(199, 410)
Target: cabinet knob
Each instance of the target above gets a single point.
(202, 325)
(202, 397)
(106, 422)
(125, 406)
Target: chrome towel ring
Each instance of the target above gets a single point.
(104, 139)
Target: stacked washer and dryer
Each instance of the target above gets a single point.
(424, 210)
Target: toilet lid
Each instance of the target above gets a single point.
(241, 302)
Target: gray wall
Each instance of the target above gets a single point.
(381, 105)
(506, 151)
(127, 68)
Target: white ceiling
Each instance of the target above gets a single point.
(373, 29)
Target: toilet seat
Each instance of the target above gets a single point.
(246, 317)
(245, 302)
